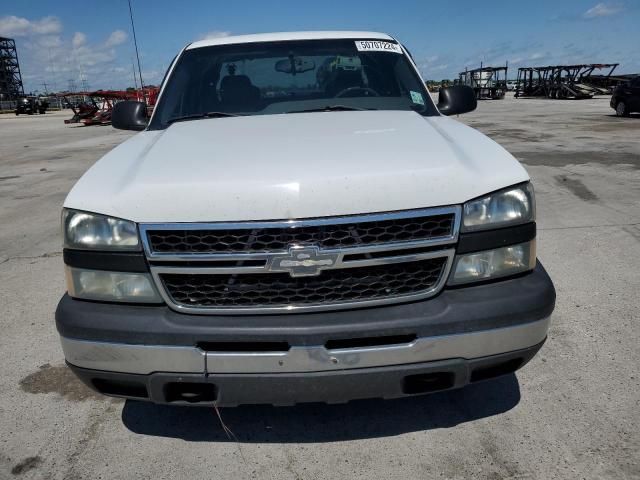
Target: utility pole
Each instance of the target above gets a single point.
(135, 42)
(135, 81)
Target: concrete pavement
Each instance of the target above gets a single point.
(571, 413)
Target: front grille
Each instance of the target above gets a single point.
(281, 290)
(279, 238)
(299, 265)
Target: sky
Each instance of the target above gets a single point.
(69, 42)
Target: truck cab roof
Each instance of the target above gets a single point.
(286, 36)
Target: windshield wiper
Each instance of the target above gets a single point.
(196, 116)
(330, 108)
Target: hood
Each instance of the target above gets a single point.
(268, 167)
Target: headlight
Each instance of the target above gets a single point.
(89, 231)
(489, 264)
(511, 206)
(111, 286)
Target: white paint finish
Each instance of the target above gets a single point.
(284, 36)
(287, 166)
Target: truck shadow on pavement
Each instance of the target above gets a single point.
(325, 423)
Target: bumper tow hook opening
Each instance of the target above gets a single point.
(190, 392)
(427, 382)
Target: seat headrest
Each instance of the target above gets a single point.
(235, 81)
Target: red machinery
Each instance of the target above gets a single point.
(95, 108)
(81, 104)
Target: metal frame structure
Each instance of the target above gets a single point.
(564, 81)
(487, 82)
(95, 108)
(11, 87)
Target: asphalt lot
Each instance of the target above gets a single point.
(572, 413)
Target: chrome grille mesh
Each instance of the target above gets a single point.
(346, 285)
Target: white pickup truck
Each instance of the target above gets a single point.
(298, 222)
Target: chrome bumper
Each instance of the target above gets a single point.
(146, 359)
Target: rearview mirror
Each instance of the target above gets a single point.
(456, 100)
(294, 65)
(129, 115)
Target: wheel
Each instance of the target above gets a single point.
(621, 109)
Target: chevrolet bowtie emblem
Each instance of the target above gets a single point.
(303, 262)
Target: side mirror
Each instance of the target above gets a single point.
(129, 115)
(456, 100)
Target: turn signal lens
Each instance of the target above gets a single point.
(111, 286)
(479, 266)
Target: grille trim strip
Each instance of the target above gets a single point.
(340, 264)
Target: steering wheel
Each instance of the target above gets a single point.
(342, 93)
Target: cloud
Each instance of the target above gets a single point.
(602, 10)
(61, 61)
(214, 34)
(78, 39)
(117, 37)
(12, 26)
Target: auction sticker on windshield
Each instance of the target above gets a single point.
(416, 97)
(377, 46)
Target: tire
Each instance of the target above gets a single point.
(621, 109)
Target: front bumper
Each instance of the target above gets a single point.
(286, 359)
(230, 390)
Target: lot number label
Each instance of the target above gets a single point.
(377, 46)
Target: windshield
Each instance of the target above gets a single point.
(290, 77)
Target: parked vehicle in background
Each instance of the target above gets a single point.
(31, 104)
(487, 82)
(299, 222)
(42, 105)
(25, 106)
(626, 98)
(512, 85)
